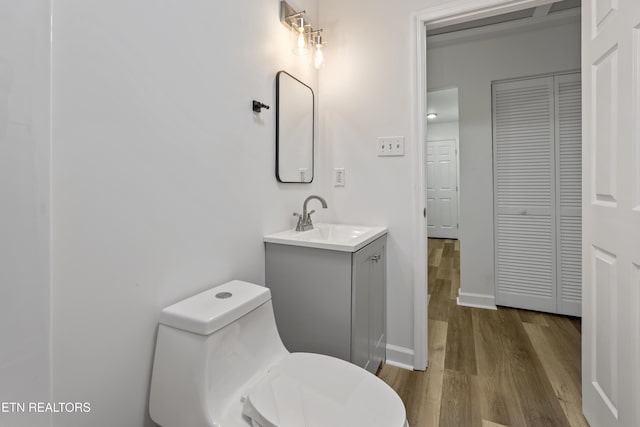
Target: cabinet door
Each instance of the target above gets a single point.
(360, 307)
(311, 296)
(377, 306)
(368, 338)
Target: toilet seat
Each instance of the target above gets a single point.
(312, 390)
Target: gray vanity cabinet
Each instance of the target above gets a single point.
(330, 302)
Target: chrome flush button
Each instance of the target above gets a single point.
(223, 295)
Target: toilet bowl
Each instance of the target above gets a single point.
(220, 362)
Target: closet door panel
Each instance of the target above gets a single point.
(524, 192)
(525, 261)
(568, 111)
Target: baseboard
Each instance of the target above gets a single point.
(487, 302)
(400, 357)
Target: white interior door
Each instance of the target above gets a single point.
(442, 189)
(611, 212)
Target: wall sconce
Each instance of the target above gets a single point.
(304, 37)
(299, 35)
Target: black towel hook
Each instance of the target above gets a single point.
(258, 106)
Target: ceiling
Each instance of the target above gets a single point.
(533, 12)
(445, 104)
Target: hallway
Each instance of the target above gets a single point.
(488, 368)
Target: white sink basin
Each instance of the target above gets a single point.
(337, 237)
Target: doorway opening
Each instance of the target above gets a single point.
(468, 359)
(530, 165)
(442, 164)
(444, 22)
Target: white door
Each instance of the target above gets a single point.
(442, 189)
(611, 212)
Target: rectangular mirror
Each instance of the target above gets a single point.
(294, 129)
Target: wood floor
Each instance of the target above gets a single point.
(489, 368)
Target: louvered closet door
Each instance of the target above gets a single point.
(568, 95)
(524, 194)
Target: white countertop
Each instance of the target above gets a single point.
(337, 237)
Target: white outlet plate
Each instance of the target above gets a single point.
(390, 146)
(338, 177)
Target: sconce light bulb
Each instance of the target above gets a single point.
(318, 58)
(299, 34)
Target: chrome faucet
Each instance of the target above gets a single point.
(304, 220)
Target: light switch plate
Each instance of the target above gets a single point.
(390, 146)
(338, 174)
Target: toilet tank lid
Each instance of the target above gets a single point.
(208, 311)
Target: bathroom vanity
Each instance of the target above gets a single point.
(328, 288)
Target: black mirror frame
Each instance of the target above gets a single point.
(313, 129)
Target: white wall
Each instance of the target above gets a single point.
(163, 178)
(365, 87)
(24, 207)
(472, 65)
(448, 130)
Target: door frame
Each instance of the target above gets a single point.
(440, 12)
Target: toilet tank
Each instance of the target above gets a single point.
(210, 349)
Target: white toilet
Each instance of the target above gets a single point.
(220, 362)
